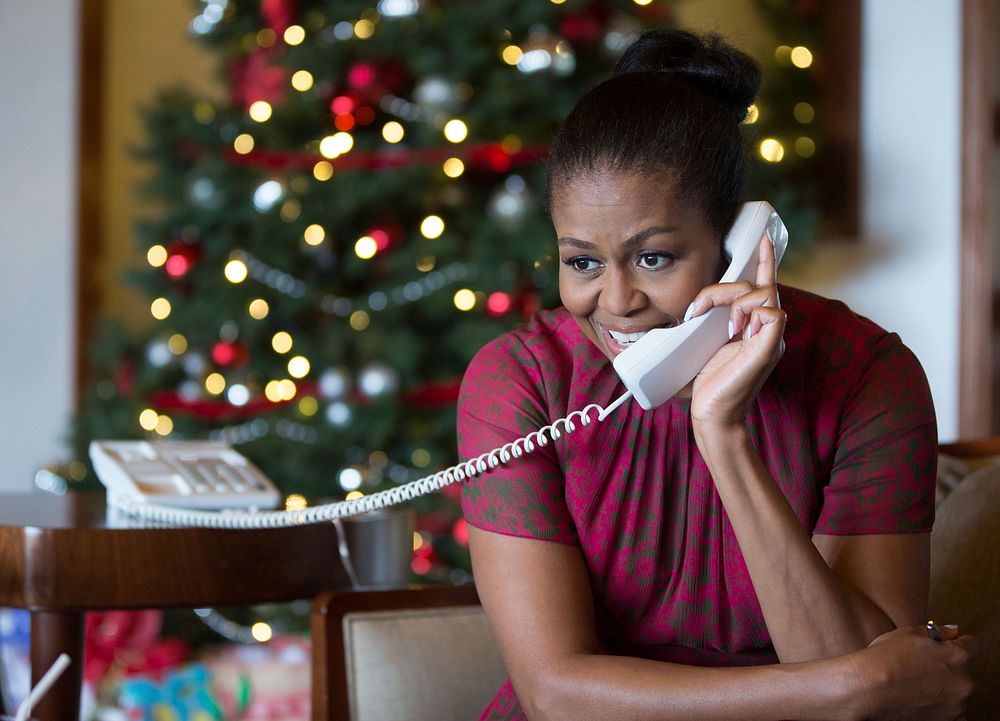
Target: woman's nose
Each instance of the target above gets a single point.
(620, 296)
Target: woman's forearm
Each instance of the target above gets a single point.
(810, 613)
(589, 686)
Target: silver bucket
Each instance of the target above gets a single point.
(380, 547)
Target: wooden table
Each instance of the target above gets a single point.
(63, 555)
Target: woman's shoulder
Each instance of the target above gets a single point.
(826, 335)
(543, 345)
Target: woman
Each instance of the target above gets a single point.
(660, 564)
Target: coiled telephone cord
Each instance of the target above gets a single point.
(171, 516)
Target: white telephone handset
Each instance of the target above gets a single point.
(665, 360)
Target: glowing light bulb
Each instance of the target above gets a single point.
(801, 57)
(432, 226)
(298, 367)
(323, 170)
(160, 308)
(260, 110)
(287, 389)
(455, 130)
(148, 419)
(164, 425)
(753, 114)
(366, 247)
(359, 320)
(453, 167)
(243, 143)
(215, 383)
(302, 80)
(308, 406)
(511, 54)
(364, 29)
(465, 299)
(337, 144)
(177, 344)
(421, 457)
(771, 150)
(156, 256)
(236, 271)
(392, 132)
(272, 391)
(314, 234)
(642, 2)
(296, 502)
(261, 632)
(281, 342)
(294, 35)
(354, 495)
(258, 309)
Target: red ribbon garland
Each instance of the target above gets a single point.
(439, 394)
(486, 156)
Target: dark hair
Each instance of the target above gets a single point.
(673, 105)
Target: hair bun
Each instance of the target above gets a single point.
(709, 61)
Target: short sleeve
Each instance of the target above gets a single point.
(883, 474)
(502, 399)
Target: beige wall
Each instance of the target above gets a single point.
(148, 48)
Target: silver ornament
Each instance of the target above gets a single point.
(377, 379)
(509, 203)
(435, 95)
(334, 383)
(159, 353)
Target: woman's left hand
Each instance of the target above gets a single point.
(728, 383)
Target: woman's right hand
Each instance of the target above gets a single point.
(904, 675)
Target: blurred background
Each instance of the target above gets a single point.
(289, 225)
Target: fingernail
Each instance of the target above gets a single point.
(951, 626)
(731, 330)
(689, 312)
(749, 332)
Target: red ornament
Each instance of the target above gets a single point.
(585, 25)
(278, 14)
(498, 303)
(461, 532)
(258, 77)
(499, 160)
(342, 104)
(180, 258)
(361, 76)
(229, 354)
(125, 377)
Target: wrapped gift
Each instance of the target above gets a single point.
(271, 681)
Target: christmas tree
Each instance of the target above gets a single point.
(358, 220)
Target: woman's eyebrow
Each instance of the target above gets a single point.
(628, 244)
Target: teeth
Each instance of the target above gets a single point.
(625, 338)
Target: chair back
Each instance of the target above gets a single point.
(421, 654)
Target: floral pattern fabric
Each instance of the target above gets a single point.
(845, 424)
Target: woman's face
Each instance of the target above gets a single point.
(633, 256)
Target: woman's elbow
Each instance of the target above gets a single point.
(552, 693)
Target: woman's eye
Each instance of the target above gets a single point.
(654, 261)
(581, 263)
